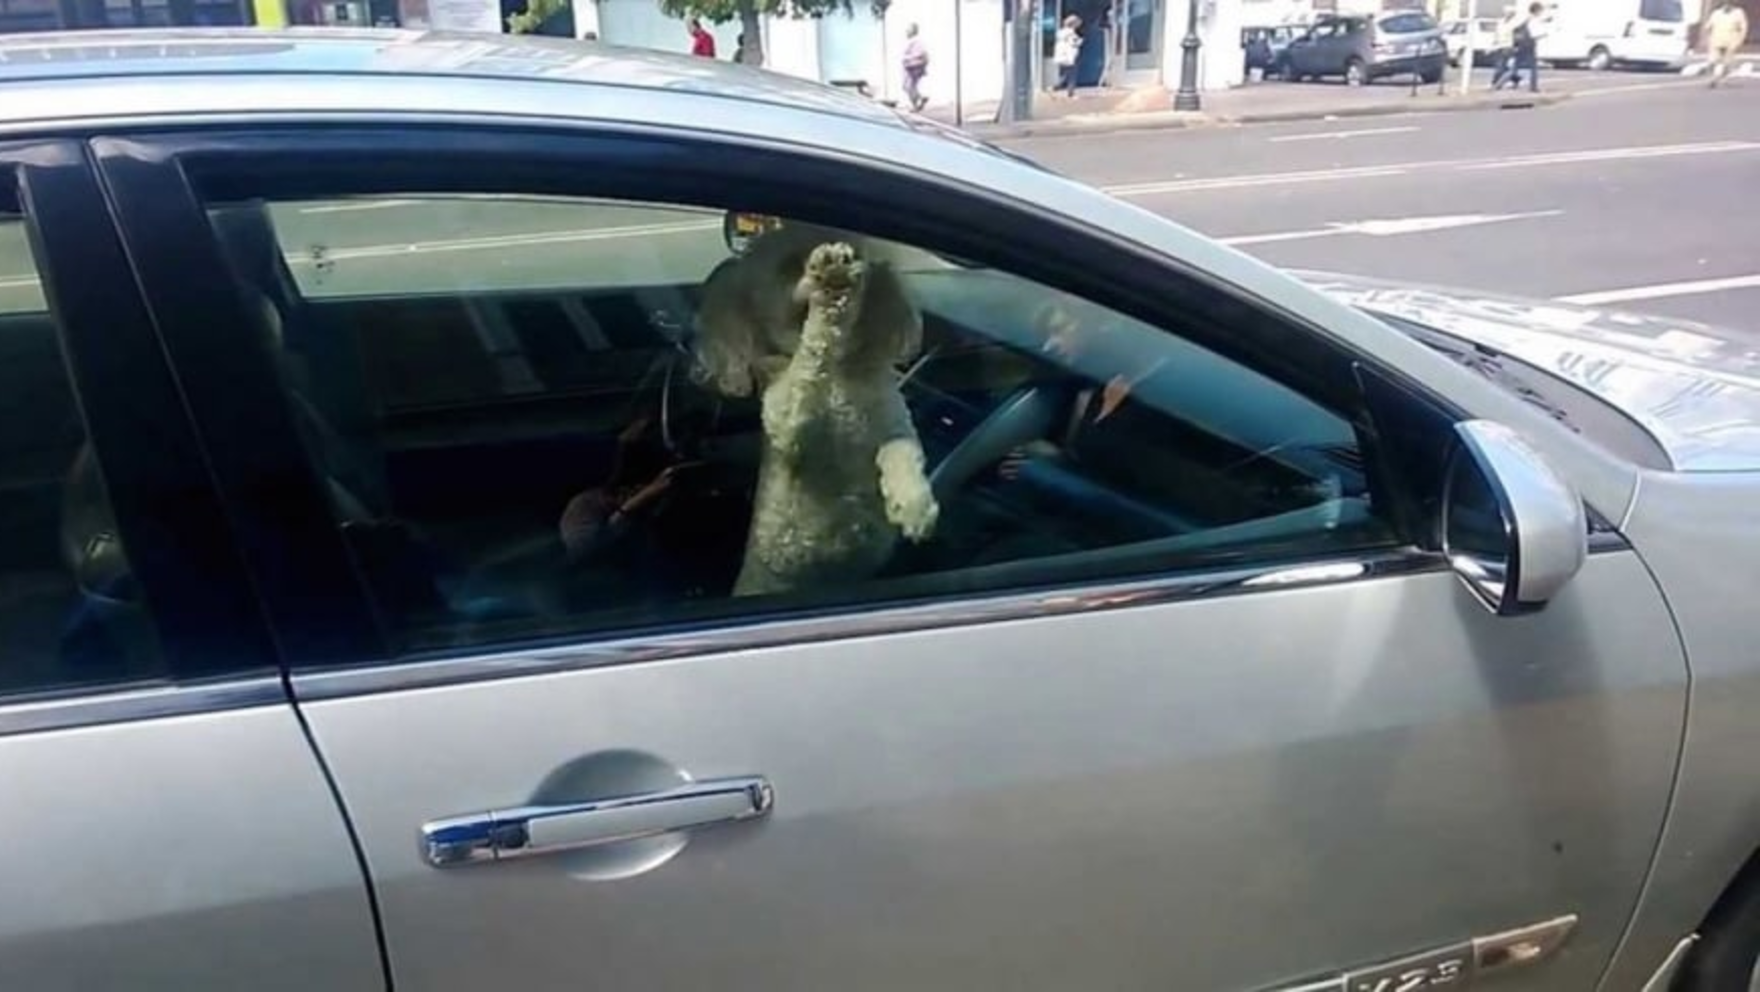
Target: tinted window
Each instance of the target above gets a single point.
(530, 431)
(1661, 10)
(69, 612)
(1407, 23)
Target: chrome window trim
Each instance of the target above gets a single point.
(124, 705)
(759, 632)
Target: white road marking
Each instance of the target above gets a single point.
(1662, 290)
(354, 205)
(1612, 154)
(1393, 227)
(1243, 240)
(1340, 135)
(326, 256)
(1401, 168)
(1264, 179)
(1631, 88)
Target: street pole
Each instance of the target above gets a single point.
(1467, 52)
(1187, 97)
(1005, 110)
(1018, 21)
(959, 65)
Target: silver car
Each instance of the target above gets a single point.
(369, 539)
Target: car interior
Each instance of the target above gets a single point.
(451, 429)
(68, 603)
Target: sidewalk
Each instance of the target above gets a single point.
(1099, 111)
(1103, 110)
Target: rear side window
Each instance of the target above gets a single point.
(70, 614)
(1661, 10)
(1407, 23)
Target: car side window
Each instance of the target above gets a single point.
(550, 418)
(70, 615)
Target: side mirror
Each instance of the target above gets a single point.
(1512, 528)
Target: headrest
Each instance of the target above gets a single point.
(247, 234)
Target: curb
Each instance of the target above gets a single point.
(1175, 121)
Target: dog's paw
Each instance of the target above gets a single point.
(833, 268)
(913, 510)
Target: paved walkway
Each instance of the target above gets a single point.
(1093, 111)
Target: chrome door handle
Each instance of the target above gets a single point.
(518, 831)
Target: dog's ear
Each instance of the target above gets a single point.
(726, 341)
(887, 310)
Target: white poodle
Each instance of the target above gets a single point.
(842, 472)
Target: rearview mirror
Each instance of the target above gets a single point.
(739, 228)
(1513, 529)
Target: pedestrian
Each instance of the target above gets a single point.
(1528, 32)
(1504, 58)
(916, 66)
(1065, 51)
(739, 48)
(1726, 31)
(702, 42)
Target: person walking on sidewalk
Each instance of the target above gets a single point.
(1504, 58)
(1065, 52)
(1528, 32)
(916, 66)
(1726, 31)
(702, 42)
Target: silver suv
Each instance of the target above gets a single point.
(1365, 47)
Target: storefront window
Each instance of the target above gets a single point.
(29, 15)
(1142, 34)
(57, 15)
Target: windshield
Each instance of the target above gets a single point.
(1577, 409)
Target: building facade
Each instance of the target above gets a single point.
(1128, 43)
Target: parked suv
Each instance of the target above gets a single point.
(1364, 47)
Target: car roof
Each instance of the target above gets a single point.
(205, 55)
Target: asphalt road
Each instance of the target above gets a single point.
(1644, 197)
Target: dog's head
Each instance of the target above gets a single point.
(749, 321)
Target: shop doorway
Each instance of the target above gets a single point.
(1121, 40)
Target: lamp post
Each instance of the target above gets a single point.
(959, 66)
(1187, 96)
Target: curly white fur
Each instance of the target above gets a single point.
(842, 471)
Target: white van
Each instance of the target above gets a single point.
(1605, 33)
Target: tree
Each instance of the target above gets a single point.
(750, 13)
(533, 18)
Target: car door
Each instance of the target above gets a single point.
(1179, 694)
(167, 825)
(1307, 52)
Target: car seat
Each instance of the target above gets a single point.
(323, 385)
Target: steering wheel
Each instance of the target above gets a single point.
(1028, 414)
